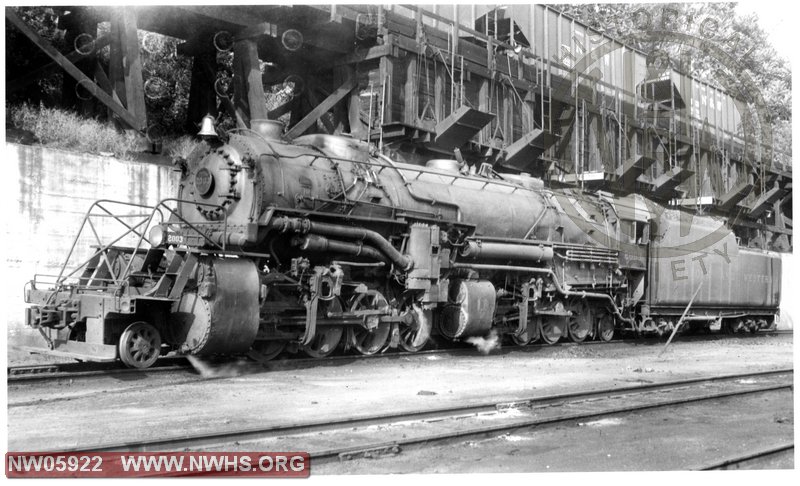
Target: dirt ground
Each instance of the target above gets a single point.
(690, 437)
(111, 410)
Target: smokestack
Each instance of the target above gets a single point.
(269, 129)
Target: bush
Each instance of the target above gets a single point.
(180, 148)
(66, 130)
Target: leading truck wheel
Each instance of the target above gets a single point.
(139, 345)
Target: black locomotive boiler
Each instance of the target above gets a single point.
(324, 243)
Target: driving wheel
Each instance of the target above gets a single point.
(327, 338)
(531, 333)
(266, 350)
(580, 322)
(553, 328)
(605, 328)
(414, 336)
(373, 338)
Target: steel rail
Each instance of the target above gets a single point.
(217, 439)
(55, 371)
(19, 374)
(761, 454)
(335, 454)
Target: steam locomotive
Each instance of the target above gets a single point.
(325, 243)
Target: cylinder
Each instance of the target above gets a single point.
(470, 309)
(506, 251)
(222, 315)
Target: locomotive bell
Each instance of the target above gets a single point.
(207, 127)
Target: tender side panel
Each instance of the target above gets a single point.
(732, 277)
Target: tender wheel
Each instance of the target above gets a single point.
(139, 345)
(580, 322)
(266, 350)
(605, 328)
(326, 338)
(369, 341)
(726, 327)
(553, 329)
(754, 325)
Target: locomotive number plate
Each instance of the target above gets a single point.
(174, 239)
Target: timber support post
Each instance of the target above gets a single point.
(248, 89)
(132, 67)
(202, 92)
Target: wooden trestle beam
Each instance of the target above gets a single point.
(737, 193)
(202, 94)
(131, 65)
(322, 108)
(129, 118)
(32, 76)
(248, 90)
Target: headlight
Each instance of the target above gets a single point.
(156, 236)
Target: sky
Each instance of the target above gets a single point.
(779, 19)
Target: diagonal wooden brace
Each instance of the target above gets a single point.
(73, 71)
(322, 108)
(28, 78)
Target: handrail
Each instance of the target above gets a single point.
(83, 224)
(105, 255)
(172, 211)
(102, 249)
(146, 221)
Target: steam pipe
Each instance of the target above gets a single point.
(547, 271)
(305, 226)
(507, 251)
(319, 243)
(221, 238)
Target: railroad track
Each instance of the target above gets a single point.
(353, 438)
(67, 371)
(74, 371)
(754, 458)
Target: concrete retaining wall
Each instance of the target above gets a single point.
(47, 193)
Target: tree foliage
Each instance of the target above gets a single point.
(167, 76)
(716, 24)
(23, 56)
